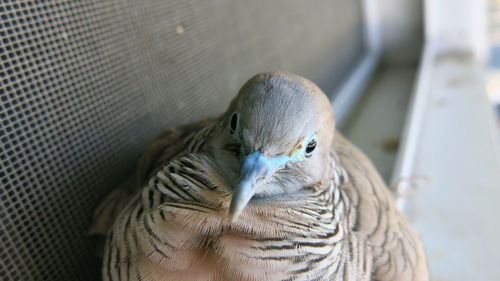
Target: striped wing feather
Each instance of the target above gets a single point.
(169, 145)
(395, 248)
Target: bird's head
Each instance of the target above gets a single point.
(282, 126)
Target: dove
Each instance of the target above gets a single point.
(269, 190)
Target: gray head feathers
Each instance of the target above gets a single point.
(278, 108)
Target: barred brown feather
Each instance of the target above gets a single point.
(175, 226)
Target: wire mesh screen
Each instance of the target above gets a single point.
(85, 85)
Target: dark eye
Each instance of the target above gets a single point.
(233, 123)
(310, 147)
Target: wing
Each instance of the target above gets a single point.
(170, 145)
(161, 232)
(396, 249)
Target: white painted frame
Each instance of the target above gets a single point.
(350, 91)
(446, 30)
(451, 137)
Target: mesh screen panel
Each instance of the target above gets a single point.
(85, 85)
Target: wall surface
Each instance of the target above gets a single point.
(402, 30)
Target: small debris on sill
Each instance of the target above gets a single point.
(179, 29)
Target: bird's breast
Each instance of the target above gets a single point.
(266, 243)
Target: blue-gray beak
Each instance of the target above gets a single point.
(255, 168)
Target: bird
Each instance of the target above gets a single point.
(268, 190)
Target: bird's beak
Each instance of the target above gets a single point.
(255, 168)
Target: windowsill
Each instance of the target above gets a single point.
(376, 122)
(451, 155)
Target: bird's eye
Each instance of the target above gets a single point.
(310, 146)
(233, 122)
